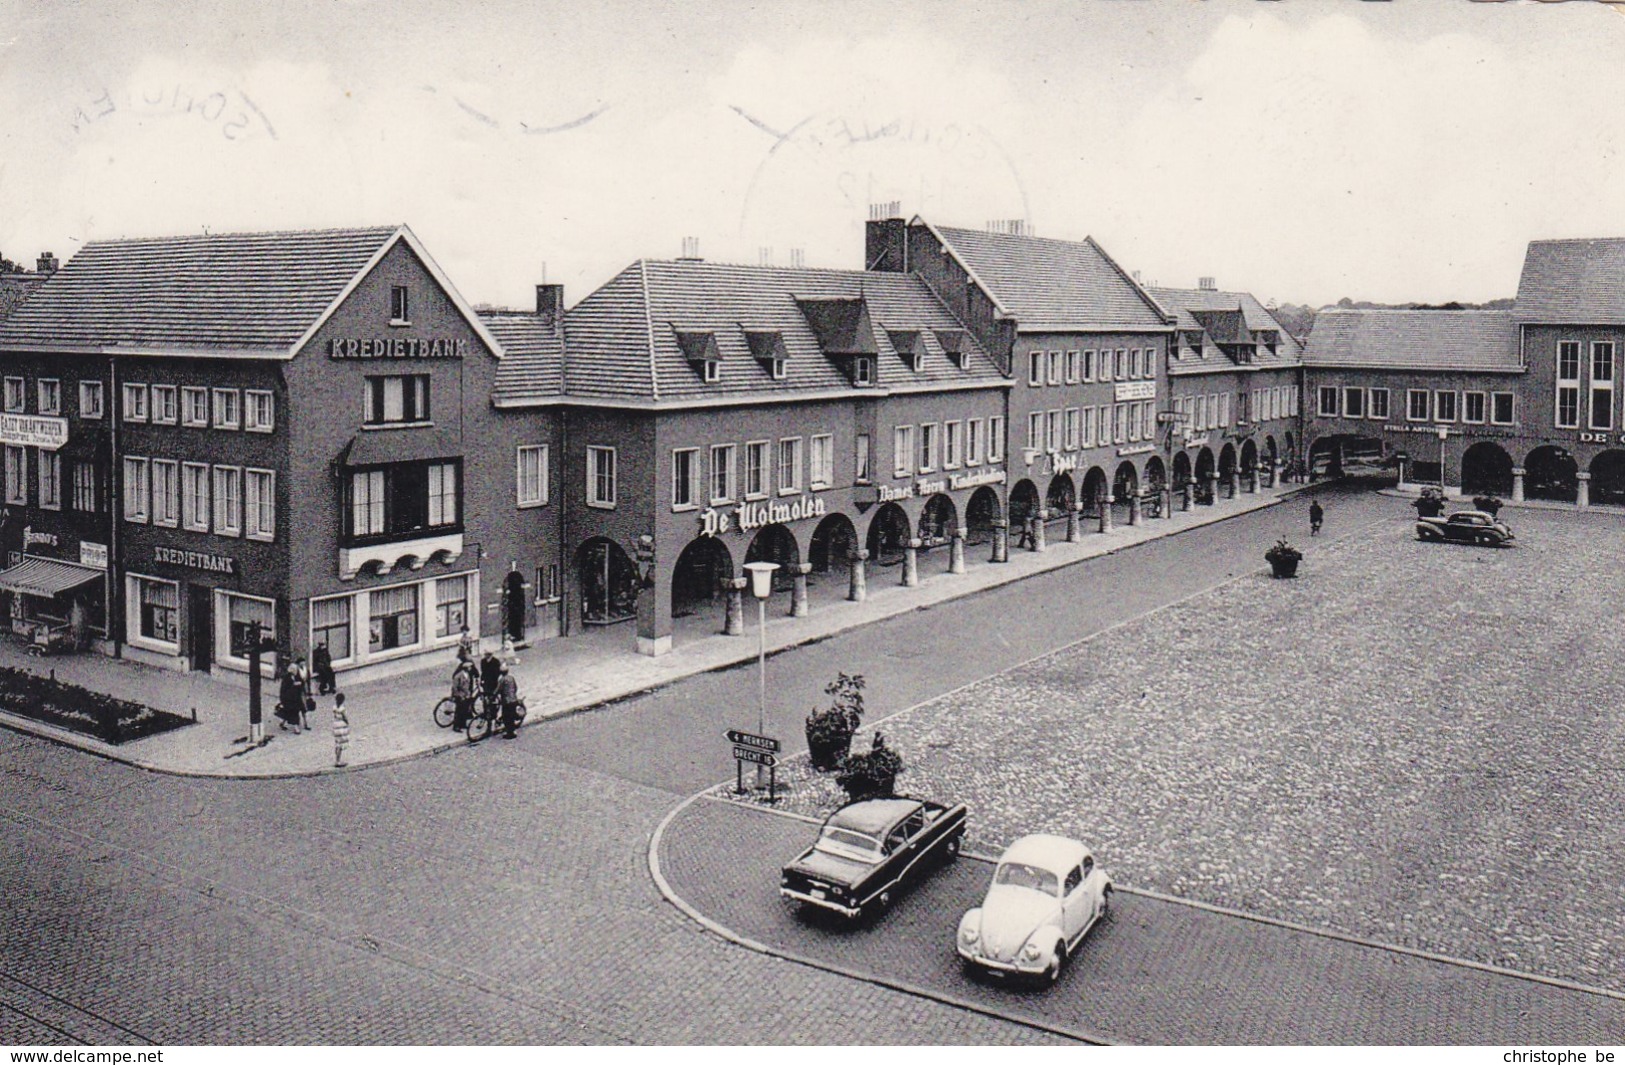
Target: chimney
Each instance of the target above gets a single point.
(1207, 284)
(798, 258)
(764, 256)
(691, 250)
(886, 239)
(47, 264)
(550, 302)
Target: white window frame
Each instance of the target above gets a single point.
(228, 512)
(223, 651)
(902, 450)
(596, 454)
(863, 370)
(135, 471)
(821, 462)
(1035, 369)
(995, 438)
(218, 415)
(189, 394)
(1089, 367)
(1052, 430)
(1358, 396)
(1371, 403)
(1336, 395)
(1467, 404)
(975, 430)
(166, 517)
(134, 400)
(764, 449)
(1052, 361)
(400, 305)
(160, 412)
(51, 384)
(1410, 404)
(1074, 424)
(524, 499)
(16, 395)
(1601, 384)
(1438, 405)
(692, 480)
(48, 474)
(197, 512)
(1035, 430)
(252, 529)
(354, 611)
(792, 486)
(952, 445)
(132, 615)
(929, 442)
(1072, 367)
(1512, 398)
(251, 419)
(16, 471)
(88, 408)
(730, 452)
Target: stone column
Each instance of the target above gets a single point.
(1234, 482)
(1213, 487)
(911, 564)
(858, 590)
(1187, 495)
(1252, 480)
(1001, 540)
(1275, 474)
(1582, 498)
(1517, 484)
(1039, 543)
(735, 623)
(1401, 485)
(1072, 524)
(798, 591)
(1136, 513)
(956, 550)
(1106, 513)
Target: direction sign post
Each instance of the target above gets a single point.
(761, 751)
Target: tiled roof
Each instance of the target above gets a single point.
(1414, 340)
(624, 341)
(1058, 282)
(14, 289)
(532, 365)
(1181, 302)
(230, 292)
(1578, 282)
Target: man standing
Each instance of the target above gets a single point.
(490, 673)
(508, 695)
(463, 690)
(1316, 516)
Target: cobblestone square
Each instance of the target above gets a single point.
(1410, 742)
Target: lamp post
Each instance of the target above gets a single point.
(761, 586)
(1444, 432)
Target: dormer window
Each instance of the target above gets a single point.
(399, 308)
(702, 353)
(954, 345)
(863, 371)
(767, 347)
(910, 347)
(778, 366)
(711, 371)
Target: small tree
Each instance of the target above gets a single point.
(870, 775)
(830, 729)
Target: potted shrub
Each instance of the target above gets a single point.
(1430, 504)
(1283, 559)
(872, 774)
(830, 729)
(1488, 504)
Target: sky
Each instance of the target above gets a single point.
(1303, 150)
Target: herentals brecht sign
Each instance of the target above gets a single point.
(26, 430)
(750, 516)
(398, 348)
(195, 560)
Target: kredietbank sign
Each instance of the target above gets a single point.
(29, 430)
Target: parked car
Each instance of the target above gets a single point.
(1465, 526)
(1047, 892)
(869, 850)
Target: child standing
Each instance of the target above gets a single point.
(341, 730)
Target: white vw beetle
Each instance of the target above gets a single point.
(1047, 892)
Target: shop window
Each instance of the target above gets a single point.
(601, 476)
(228, 413)
(16, 397)
(50, 395)
(49, 466)
(259, 411)
(394, 618)
(755, 469)
(821, 462)
(1377, 407)
(684, 478)
(166, 492)
(135, 403)
(195, 407)
(91, 400)
(398, 399)
(1501, 408)
(164, 407)
(399, 306)
(241, 613)
(722, 473)
(195, 496)
(259, 504)
(135, 487)
(87, 496)
(157, 606)
(790, 466)
(330, 624)
(995, 439)
(450, 605)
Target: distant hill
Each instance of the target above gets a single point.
(1298, 319)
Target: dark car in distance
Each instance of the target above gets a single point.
(1465, 526)
(869, 850)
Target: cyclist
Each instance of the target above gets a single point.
(508, 694)
(464, 687)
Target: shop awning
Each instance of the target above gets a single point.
(376, 447)
(46, 577)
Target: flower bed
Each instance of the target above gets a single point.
(71, 707)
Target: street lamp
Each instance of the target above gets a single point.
(761, 586)
(1444, 432)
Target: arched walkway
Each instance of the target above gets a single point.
(1227, 467)
(775, 543)
(938, 523)
(1549, 473)
(980, 514)
(1125, 486)
(889, 533)
(1206, 468)
(696, 580)
(1608, 478)
(1182, 470)
(1249, 458)
(1486, 469)
(833, 542)
(1156, 482)
(1023, 501)
(1094, 492)
(608, 582)
(1060, 499)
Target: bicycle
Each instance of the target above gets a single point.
(487, 715)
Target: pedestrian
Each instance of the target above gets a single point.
(464, 687)
(341, 730)
(465, 646)
(1025, 537)
(290, 702)
(301, 677)
(1316, 516)
(508, 695)
(490, 674)
(321, 664)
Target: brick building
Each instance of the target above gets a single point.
(286, 428)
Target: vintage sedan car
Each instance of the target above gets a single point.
(1047, 892)
(1465, 526)
(869, 850)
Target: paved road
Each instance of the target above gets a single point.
(497, 893)
(1155, 971)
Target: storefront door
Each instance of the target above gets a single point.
(200, 626)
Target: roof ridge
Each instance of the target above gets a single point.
(203, 237)
(649, 326)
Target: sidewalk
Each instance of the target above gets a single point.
(390, 719)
